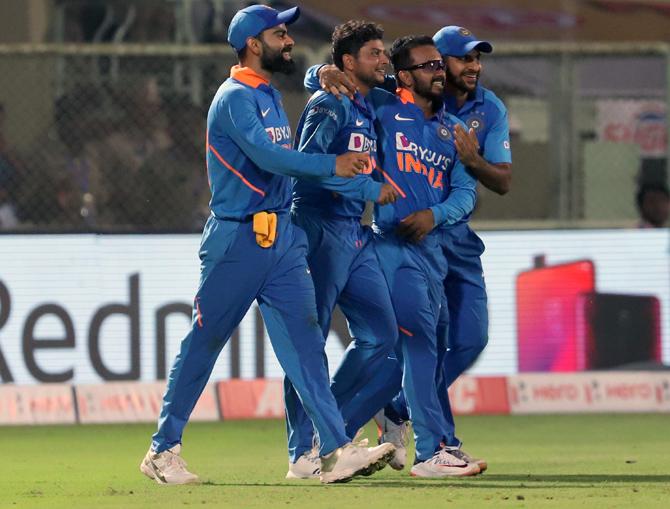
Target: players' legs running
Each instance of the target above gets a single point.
(366, 303)
(217, 311)
(414, 274)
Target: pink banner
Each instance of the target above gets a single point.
(134, 402)
(589, 392)
(36, 404)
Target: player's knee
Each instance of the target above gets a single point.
(472, 353)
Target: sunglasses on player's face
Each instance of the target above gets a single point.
(431, 65)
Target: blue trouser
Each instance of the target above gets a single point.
(415, 274)
(346, 272)
(234, 272)
(463, 323)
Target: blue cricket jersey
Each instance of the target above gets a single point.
(487, 116)
(328, 125)
(249, 149)
(418, 157)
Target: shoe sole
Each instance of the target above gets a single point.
(348, 475)
(291, 475)
(470, 471)
(377, 466)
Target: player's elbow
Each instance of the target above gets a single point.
(504, 187)
(504, 182)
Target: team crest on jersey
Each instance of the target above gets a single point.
(475, 123)
(360, 143)
(464, 32)
(443, 133)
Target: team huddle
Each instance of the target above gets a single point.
(285, 230)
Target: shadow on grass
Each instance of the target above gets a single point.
(493, 481)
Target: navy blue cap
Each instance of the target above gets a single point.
(456, 41)
(252, 20)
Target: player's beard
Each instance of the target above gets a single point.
(426, 91)
(273, 60)
(457, 82)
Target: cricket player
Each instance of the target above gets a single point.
(250, 251)
(340, 255)
(419, 154)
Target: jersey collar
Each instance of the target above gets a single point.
(248, 76)
(476, 98)
(405, 95)
(363, 105)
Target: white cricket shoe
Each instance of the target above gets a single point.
(351, 460)
(444, 464)
(461, 454)
(307, 466)
(396, 434)
(167, 467)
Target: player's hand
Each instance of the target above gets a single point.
(387, 195)
(417, 225)
(467, 146)
(350, 164)
(335, 82)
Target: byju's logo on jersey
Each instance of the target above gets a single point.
(437, 160)
(320, 110)
(403, 144)
(280, 135)
(360, 143)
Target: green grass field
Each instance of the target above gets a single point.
(593, 461)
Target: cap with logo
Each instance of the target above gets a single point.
(457, 41)
(252, 20)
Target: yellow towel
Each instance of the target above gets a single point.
(265, 228)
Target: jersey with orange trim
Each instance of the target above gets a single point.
(249, 155)
(418, 157)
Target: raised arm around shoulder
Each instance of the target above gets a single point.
(311, 82)
(240, 121)
(461, 199)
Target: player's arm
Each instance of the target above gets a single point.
(241, 123)
(496, 176)
(324, 119)
(329, 78)
(460, 202)
(461, 199)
